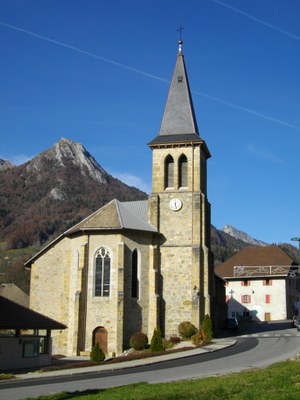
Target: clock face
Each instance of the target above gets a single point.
(175, 204)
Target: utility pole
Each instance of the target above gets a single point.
(297, 239)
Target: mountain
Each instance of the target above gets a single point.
(232, 231)
(43, 197)
(5, 164)
(229, 240)
(56, 189)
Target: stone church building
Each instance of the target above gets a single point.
(135, 266)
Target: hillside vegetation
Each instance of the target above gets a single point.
(42, 198)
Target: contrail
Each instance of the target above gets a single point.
(87, 53)
(248, 110)
(260, 21)
(124, 66)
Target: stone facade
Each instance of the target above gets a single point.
(185, 259)
(62, 287)
(158, 269)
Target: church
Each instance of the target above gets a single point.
(135, 266)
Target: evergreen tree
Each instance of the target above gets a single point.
(156, 341)
(206, 329)
(97, 354)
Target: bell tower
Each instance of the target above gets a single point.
(180, 210)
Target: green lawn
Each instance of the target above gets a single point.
(279, 382)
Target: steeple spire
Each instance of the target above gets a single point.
(179, 124)
(179, 116)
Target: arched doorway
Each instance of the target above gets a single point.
(100, 336)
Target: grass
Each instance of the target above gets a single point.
(278, 382)
(4, 376)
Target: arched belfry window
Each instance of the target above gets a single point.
(102, 272)
(169, 172)
(183, 171)
(134, 275)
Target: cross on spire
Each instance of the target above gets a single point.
(180, 29)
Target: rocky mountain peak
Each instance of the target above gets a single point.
(5, 164)
(237, 234)
(66, 151)
(53, 191)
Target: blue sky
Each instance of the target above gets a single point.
(98, 72)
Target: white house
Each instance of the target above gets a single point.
(260, 284)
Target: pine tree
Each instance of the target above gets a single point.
(206, 329)
(97, 354)
(156, 341)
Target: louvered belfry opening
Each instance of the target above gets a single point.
(183, 172)
(169, 172)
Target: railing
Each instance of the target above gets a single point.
(264, 270)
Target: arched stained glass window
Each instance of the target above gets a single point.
(169, 172)
(183, 171)
(102, 272)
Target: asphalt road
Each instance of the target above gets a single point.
(256, 349)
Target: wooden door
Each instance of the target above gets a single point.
(267, 316)
(100, 337)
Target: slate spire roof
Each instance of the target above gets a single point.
(179, 122)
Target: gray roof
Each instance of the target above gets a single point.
(179, 116)
(179, 139)
(15, 316)
(179, 124)
(134, 215)
(117, 215)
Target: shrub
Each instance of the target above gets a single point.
(139, 341)
(186, 329)
(206, 329)
(156, 341)
(170, 343)
(97, 354)
(197, 339)
(174, 339)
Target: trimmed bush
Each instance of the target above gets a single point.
(174, 339)
(197, 339)
(156, 341)
(186, 329)
(139, 341)
(206, 329)
(97, 354)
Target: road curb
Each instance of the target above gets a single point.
(217, 345)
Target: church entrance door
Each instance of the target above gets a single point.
(100, 337)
